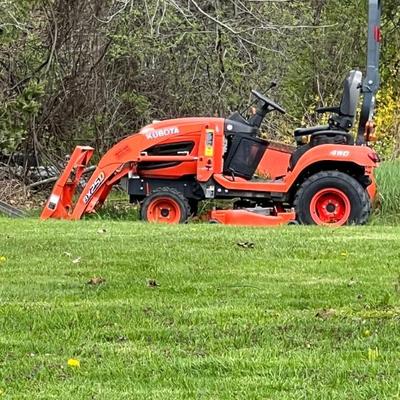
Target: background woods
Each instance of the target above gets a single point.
(89, 72)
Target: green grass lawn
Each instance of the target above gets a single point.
(308, 313)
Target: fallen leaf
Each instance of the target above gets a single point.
(326, 313)
(152, 283)
(352, 282)
(76, 260)
(97, 280)
(74, 363)
(246, 245)
(344, 254)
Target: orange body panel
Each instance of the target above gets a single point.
(372, 189)
(275, 161)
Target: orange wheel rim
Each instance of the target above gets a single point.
(330, 207)
(165, 210)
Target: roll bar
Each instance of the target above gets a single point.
(371, 81)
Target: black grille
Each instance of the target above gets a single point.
(168, 149)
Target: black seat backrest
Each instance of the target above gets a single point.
(348, 106)
(351, 93)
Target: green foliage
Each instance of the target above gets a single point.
(16, 115)
(388, 104)
(138, 102)
(388, 123)
(388, 178)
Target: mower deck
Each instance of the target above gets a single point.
(251, 217)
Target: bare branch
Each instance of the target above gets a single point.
(231, 30)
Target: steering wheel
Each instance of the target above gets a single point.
(268, 102)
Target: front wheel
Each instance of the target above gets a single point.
(332, 198)
(165, 205)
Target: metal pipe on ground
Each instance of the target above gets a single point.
(10, 210)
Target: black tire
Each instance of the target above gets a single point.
(358, 199)
(174, 196)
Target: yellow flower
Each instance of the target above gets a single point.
(344, 254)
(367, 333)
(72, 362)
(2, 259)
(373, 354)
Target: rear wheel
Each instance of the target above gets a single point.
(332, 198)
(165, 205)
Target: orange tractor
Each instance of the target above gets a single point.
(170, 166)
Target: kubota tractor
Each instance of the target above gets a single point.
(170, 166)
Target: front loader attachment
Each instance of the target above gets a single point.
(60, 202)
(122, 159)
(109, 171)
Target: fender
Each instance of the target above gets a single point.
(360, 155)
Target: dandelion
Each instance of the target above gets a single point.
(74, 363)
(2, 259)
(344, 254)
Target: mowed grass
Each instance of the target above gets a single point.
(308, 313)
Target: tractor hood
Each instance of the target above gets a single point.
(171, 127)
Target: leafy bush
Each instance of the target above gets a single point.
(388, 124)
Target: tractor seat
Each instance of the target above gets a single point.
(309, 131)
(343, 116)
(340, 122)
